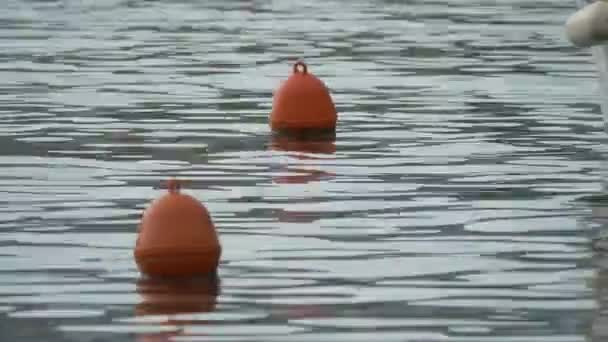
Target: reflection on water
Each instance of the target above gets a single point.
(303, 146)
(300, 168)
(169, 297)
(598, 219)
(446, 208)
(304, 152)
(167, 302)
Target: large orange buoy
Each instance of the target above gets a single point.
(177, 237)
(302, 102)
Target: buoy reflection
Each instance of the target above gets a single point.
(304, 149)
(170, 298)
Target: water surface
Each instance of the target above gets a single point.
(450, 207)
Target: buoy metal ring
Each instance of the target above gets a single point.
(173, 185)
(300, 64)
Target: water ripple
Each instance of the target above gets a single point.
(445, 210)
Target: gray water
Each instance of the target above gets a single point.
(461, 203)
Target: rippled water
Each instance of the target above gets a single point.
(459, 201)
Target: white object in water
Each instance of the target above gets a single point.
(589, 25)
(580, 30)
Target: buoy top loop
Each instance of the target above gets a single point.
(300, 64)
(173, 185)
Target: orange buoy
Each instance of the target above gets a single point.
(177, 237)
(303, 102)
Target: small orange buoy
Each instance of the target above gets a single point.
(302, 102)
(177, 237)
